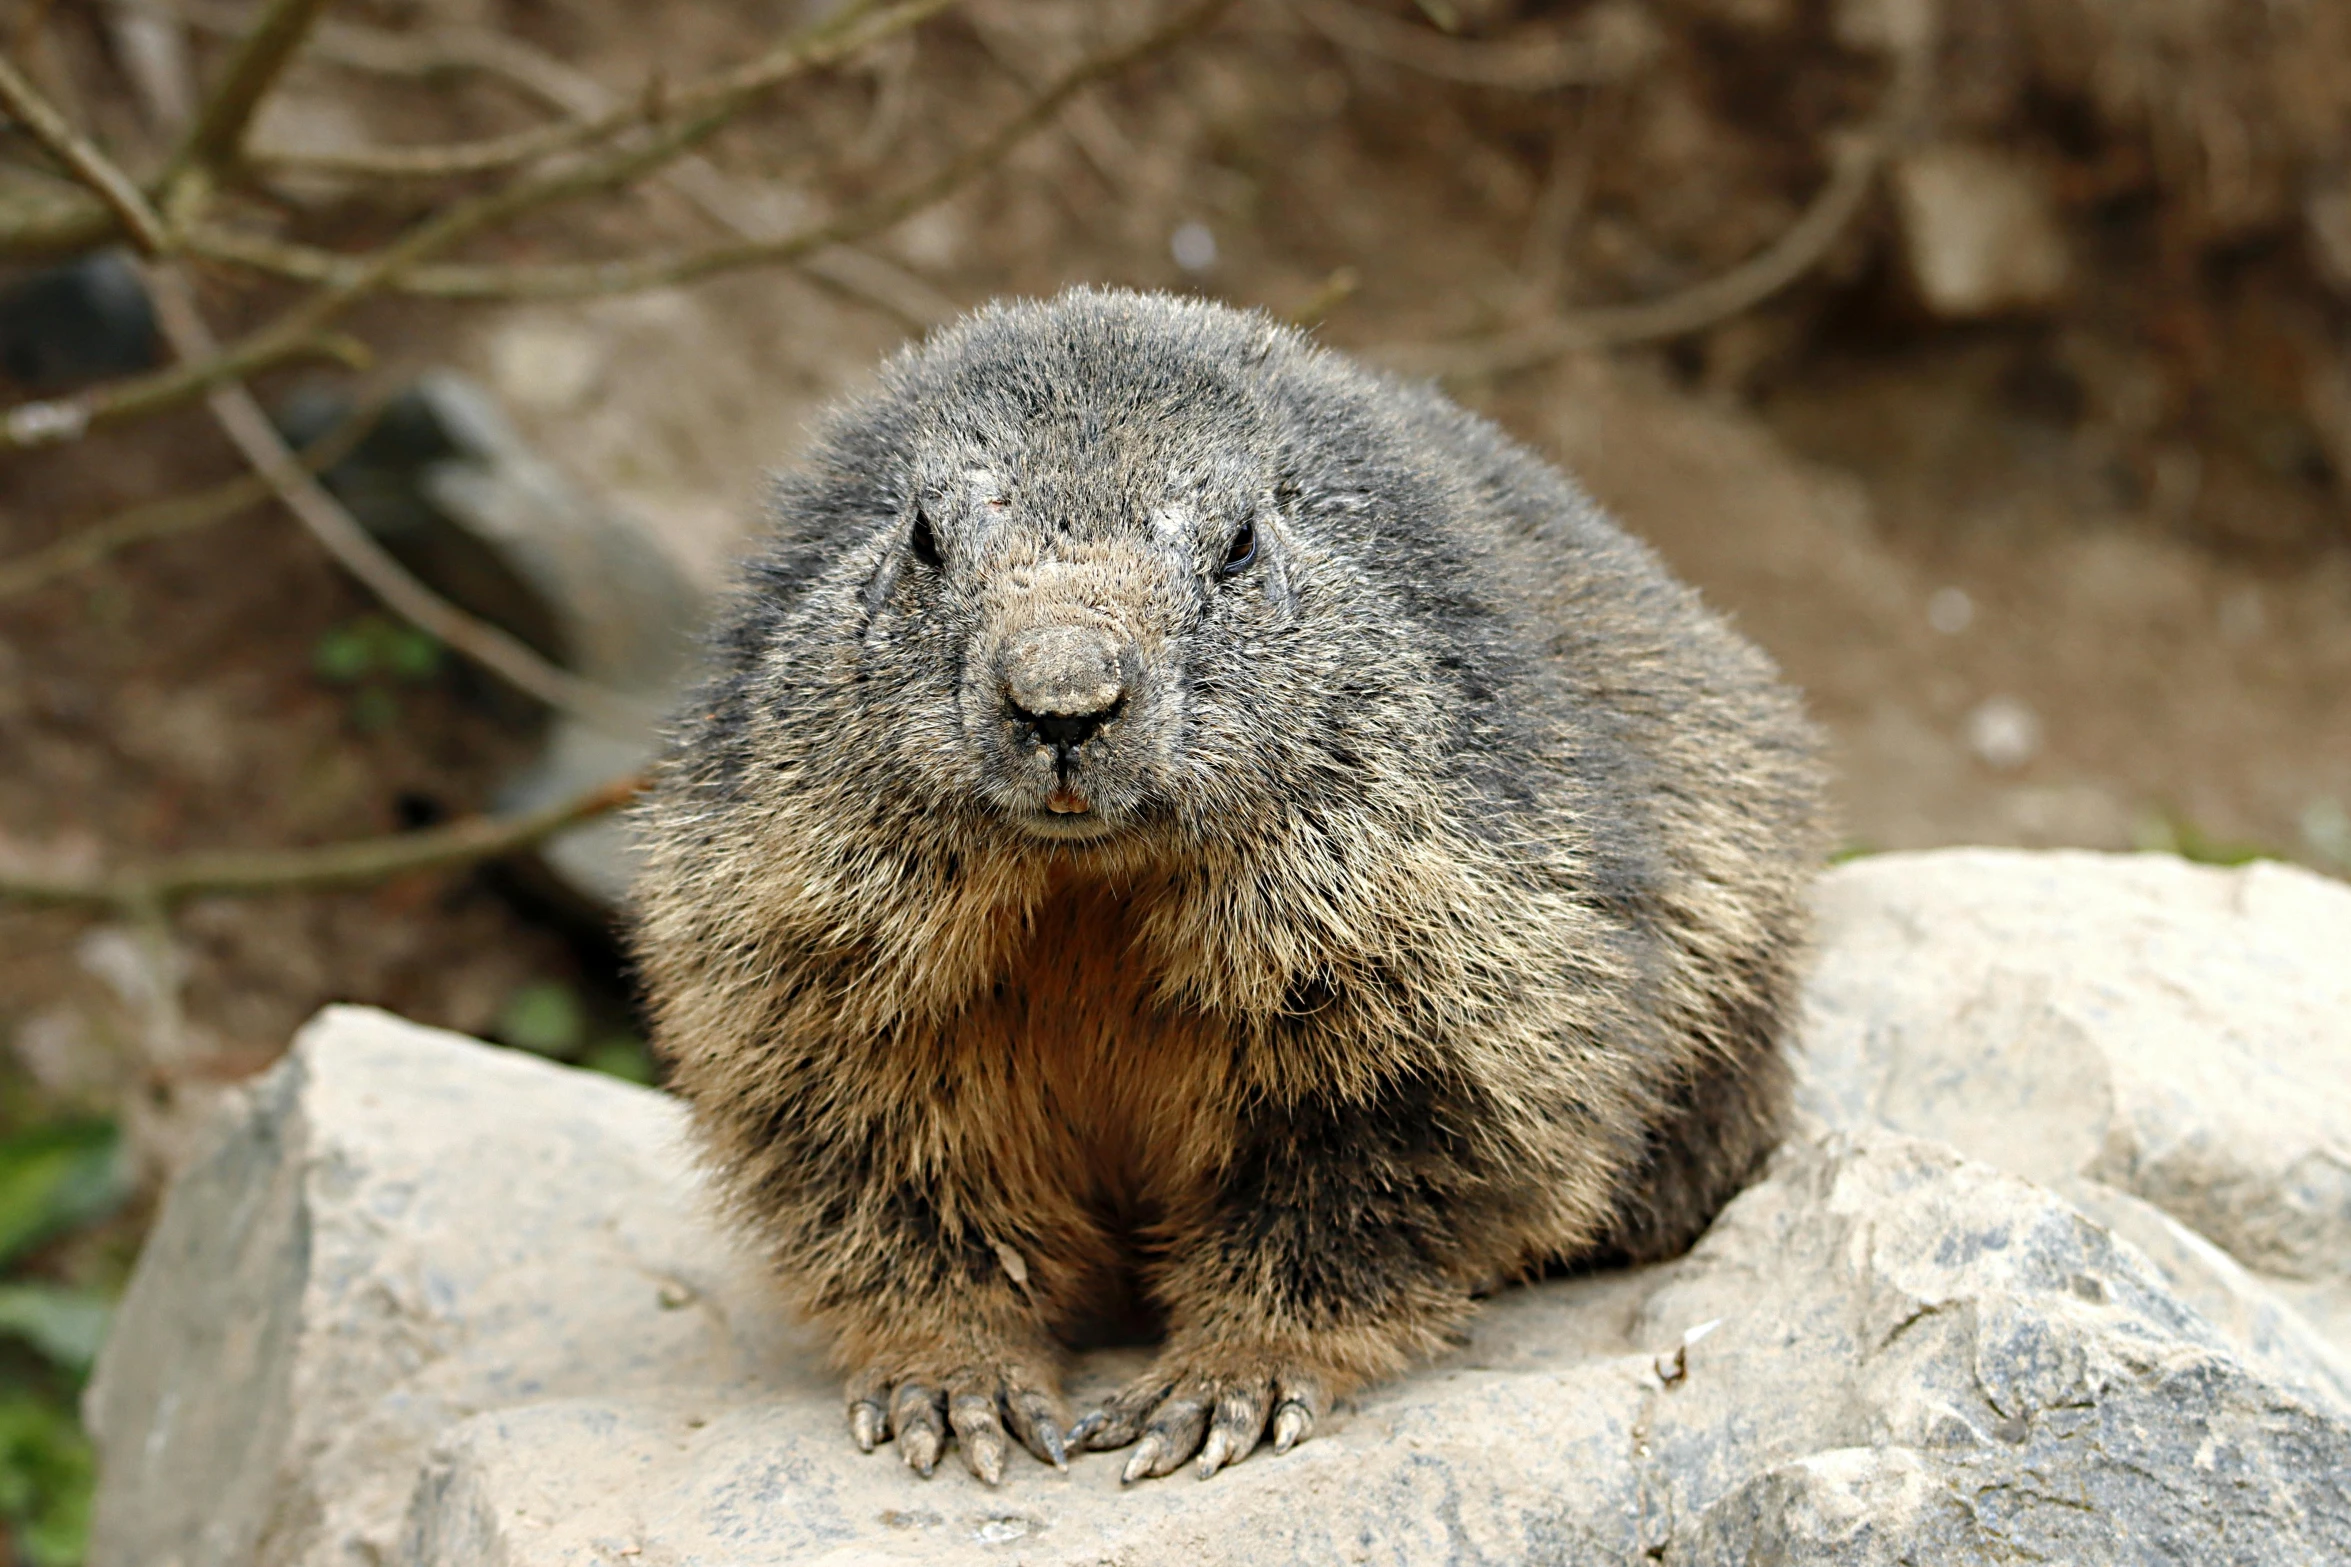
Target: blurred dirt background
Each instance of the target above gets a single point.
(2037, 477)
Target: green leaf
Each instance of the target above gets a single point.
(545, 1018)
(410, 654)
(345, 654)
(2163, 832)
(65, 1325)
(623, 1056)
(46, 1476)
(58, 1177)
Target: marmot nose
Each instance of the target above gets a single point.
(1063, 681)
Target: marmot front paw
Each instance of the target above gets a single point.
(979, 1402)
(1219, 1410)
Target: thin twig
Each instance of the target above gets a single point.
(348, 280)
(82, 158)
(217, 138)
(1613, 43)
(853, 274)
(356, 549)
(379, 51)
(56, 420)
(93, 542)
(145, 888)
(51, 218)
(1856, 158)
(1702, 305)
(837, 37)
(576, 279)
(1567, 181)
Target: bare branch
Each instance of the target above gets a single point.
(1717, 299)
(296, 332)
(1611, 44)
(572, 280)
(87, 545)
(356, 549)
(93, 168)
(54, 421)
(217, 138)
(836, 38)
(152, 46)
(346, 280)
(49, 218)
(1856, 159)
(380, 51)
(852, 274)
(867, 279)
(143, 889)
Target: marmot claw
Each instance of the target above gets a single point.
(1221, 1418)
(979, 1407)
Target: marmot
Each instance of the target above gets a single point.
(1180, 820)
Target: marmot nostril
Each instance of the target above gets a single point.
(1064, 731)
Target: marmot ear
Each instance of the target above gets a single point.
(922, 543)
(897, 543)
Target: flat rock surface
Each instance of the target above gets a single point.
(425, 1301)
(2117, 1026)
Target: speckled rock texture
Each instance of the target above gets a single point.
(2166, 1044)
(2028, 1285)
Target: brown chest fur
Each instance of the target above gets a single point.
(1103, 1114)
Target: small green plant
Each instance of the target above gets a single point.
(46, 1476)
(374, 655)
(2167, 832)
(545, 1017)
(623, 1056)
(54, 1179)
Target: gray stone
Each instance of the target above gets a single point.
(429, 1302)
(1979, 230)
(396, 1229)
(2117, 1026)
(627, 607)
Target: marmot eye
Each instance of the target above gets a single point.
(924, 543)
(1243, 550)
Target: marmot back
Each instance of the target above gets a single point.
(1182, 823)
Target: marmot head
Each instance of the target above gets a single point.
(1085, 568)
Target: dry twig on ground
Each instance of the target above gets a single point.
(1855, 168)
(604, 146)
(344, 281)
(1612, 43)
(93, 542)
(356, 550)
(140, 889)
(1855, 160)
(84, 161)
(571, 280)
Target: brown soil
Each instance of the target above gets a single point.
(2161, 623)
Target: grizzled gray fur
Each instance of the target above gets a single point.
(1186, 830)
